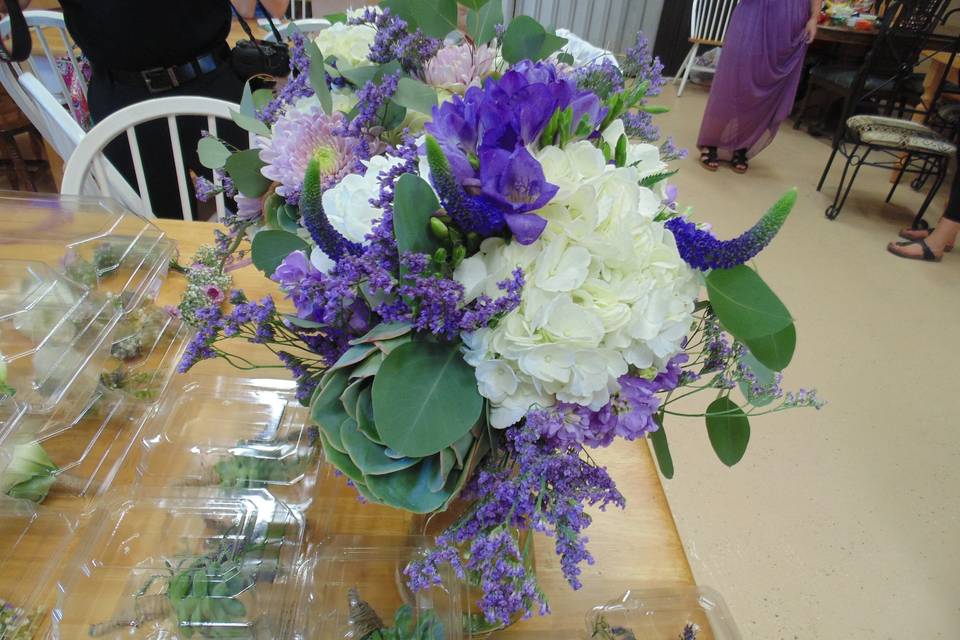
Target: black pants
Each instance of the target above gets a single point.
(106, 96)
(952, 211)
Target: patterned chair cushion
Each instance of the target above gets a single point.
(893, 133)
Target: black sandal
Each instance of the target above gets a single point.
(905, 234)
(739, 161)
(928, 254)
(709, 159)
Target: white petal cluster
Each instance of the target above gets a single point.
(347, 204)
(349, 43)
(605, 290)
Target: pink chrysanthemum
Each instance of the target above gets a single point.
(458, 67)
(298, 137)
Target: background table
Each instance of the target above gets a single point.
(638, 547)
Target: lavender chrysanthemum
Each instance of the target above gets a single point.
(299, 137)
(701, 249)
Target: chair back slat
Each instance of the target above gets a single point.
(100, 174)
(178, 164)
(709, 19)
(89, 151)
(221, 204)
(138, 169)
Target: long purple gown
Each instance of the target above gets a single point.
(757, 75)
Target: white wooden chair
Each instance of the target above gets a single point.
(46, 27)
(89, 158)
(708, 27)
(64, 135)
(307, 26)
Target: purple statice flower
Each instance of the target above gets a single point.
(641, 64)
(701, 249)
(394, 41)
(803, 398)
(484, 310)
(305, 376)
(717, 349)
(669, 151)
(298, 86)
(204, 189)
(602, 78)
(252, 320)
(639, 125)
(372, 99)
(690, 631)
(208, 322)
(530, 485)
(630, 413)
(300, 136)
(481, 167)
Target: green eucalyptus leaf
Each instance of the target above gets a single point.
(365, 422)
(461, 448)
(285, 221)
(482, 23)
(303, 323)
(447, 462)
(359, 76)
(765, 377)
(368, 367)
(350, 396)
(661, 450)
(414, 203)
(326, 410)
(523, 39)
(566, 58)
(744, 303)
(368, 456)
(270, 247)
(413, 94)
(551, 44)
(213, 153)
(775, 350)
(333, 18)
(425, 398)
(244, 168)
(318, 78)
(262, 97)
(353, 355)
(340, 460)
(392, 115)
(384, 331)
(728, 429)
(409, 488)
(271, 207)
(436, 18)
(473, 4)
(250, 123)
(247, 107)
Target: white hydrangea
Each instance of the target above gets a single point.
(645, 157)
(347, 204)
(605, 290)
(349, 43)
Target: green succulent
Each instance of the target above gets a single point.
(205, 599)
(402, 419)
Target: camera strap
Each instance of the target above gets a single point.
(19, 33)
(246, 27)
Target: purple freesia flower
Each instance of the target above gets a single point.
(515, 180)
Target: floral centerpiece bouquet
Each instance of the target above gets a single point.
(488, 275)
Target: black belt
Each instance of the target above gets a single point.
(160, 79)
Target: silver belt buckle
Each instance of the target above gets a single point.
(150, 76)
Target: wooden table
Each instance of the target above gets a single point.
(844, 35)
(637, 548)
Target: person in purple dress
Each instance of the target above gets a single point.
(757, 78)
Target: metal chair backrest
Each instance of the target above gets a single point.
(906, 38)
(89, 158)
(709, 20)
(306, 26)
(47, 27)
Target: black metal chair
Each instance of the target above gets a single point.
(906, 39)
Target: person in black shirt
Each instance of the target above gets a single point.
(144, 49)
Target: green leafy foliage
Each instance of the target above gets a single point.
(661, 450)
(406, 627)
(318, 78)
(213, 153)
(753, 314)
(250, 123)
(244, 168)
(425, 398)
(206, 599)
(413, 94)
(414, 205)
(482, 23)
(270, 247)
(336, 17)
(436, 18)
(728, 429)
(526, 38)
(474, 4)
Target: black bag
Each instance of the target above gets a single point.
(19, 33)
(258, 57)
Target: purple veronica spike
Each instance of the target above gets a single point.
(701, 250)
